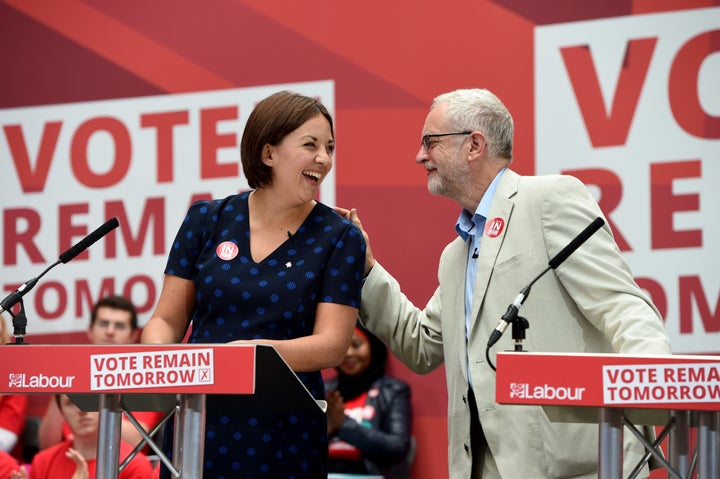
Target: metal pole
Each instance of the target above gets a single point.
(707, 445)
(191, 439)
(178, 434)
(678, 441)
(610, 443)
(110, 423)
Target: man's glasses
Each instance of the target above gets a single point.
(425, 142)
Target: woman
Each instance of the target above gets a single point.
(268, 266)
(369, 414)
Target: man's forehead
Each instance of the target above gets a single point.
(436, 117)
(113, 314)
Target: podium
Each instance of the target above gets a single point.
(174, 378)
(615, 390)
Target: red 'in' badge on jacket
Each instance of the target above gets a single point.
(495, 227)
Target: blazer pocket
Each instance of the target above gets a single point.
(523, 259)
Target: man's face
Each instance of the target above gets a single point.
(443, 160)
(112, 326)
(82, 424)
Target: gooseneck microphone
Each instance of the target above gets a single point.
(86, 242)
(575, 243)
(13, 298)
(16, 296)
(512, 310)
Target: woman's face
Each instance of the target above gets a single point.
(303, 158)
(357, 358)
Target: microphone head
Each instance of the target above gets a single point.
(89, 240)
(576, 242)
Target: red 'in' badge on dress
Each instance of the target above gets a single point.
(227, 250)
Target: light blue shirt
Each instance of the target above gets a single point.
(470, 229)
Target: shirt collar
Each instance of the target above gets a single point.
(466, 224)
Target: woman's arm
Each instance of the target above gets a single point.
(170, 320)
(325, 347)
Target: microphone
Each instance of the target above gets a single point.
(555, 261)
(16, 296)
(291, 237)
(510, 314)
(13, 298)
(89, 240)
(475, 254)
(575, 243)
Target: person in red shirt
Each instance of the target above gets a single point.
(76, 458)
(8, 465)
(113, 321)
(13, 411)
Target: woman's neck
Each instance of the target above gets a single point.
(269, 212)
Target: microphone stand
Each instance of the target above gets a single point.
(520, 324)
(19, 319)
(19, 322)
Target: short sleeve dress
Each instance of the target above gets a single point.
(237, 298)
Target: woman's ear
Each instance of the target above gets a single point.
(267, 154)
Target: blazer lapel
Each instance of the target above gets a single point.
(492, 239)
(454, 310)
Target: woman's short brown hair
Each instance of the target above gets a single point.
(270, 121)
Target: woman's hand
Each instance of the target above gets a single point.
(335, 411)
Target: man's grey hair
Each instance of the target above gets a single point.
(479, 109)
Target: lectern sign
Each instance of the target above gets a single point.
(609, 380)
(128, 369)
(662, 384)
(151, 369)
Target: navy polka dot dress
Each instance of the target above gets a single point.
(276, 298)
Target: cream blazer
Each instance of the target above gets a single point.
(590, 303)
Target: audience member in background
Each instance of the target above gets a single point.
(13, 411)
(113, 321)
(369, 413)
(76, 458)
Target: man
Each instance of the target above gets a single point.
(77, 457)
(509, 228)
(113, 321)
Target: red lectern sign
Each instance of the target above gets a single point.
(120, 369)
(609, 380)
